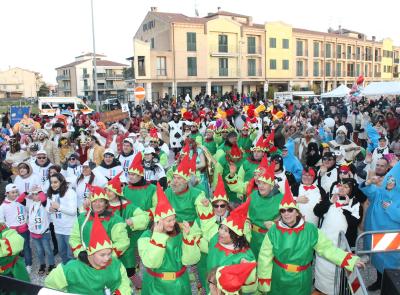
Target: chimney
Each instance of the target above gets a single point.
(373, 38)
(250, 20)
(153, 9)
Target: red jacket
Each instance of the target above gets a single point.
(109, 137)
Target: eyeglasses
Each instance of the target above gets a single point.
(222, 206)
(41, 158)
(72, 158)
(290, 210)
(327, 159)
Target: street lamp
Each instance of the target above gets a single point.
(94, 63)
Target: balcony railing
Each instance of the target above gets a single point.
(111, 87)
(114, 76)
(257, 73)
(64, 77)
(257, 50)
(224, 50)
(224, 73)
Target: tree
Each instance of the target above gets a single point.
(43, 90)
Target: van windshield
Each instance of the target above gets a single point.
(65, 106)
(46, 106)
(81, 106)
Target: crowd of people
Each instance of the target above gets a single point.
(235, 195)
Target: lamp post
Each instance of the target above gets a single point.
(94, 63)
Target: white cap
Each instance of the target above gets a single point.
(10, 187)
(41, 152)
(130, 140)
(109, 151)
(133, 135)
(149, 150)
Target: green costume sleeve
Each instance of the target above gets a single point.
(152, 250)
(219, 154)
(75, 240)
(140, 219)
(264, 266)
(164, 160)
(125, 287)
(218, 138)
(253, 135)
(11, 243)
(199, 140)
(196, 232)
(56, 279)
(250, 286)
(236, 185)
(170, 174)
(204, 212)
(326, 249)
(209, 227)
(241, 174)
(119, 238)
(190, 251)
(247, 229)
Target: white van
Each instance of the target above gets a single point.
(51, 106)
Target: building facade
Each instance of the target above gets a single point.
(19, 83)
(223, 52)
(77, 78)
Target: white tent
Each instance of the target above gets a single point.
(381, 88)
(341, 91)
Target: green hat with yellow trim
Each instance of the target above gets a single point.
(231, 278)
(237, 218)
(287, 200)
(99, 239)
(163, 208)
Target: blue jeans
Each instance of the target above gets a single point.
(27, 248)
(43, 246)
(63, 248)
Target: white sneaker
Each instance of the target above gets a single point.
(29, 269)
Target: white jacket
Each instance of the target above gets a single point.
(25, 184)
(82, 191)
(65, 217)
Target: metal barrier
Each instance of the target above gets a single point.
(381, 241)
(346, 282)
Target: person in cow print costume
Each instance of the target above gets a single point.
(176, 133)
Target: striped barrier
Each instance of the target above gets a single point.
(381, 241)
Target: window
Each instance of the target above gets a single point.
(338, 69)
(141, 66)
(192, 66)
(350, 70)
(338, 51)
(272, 64)
(299, 68)
(299, 48)
(191, 41)
(348, 52)
(285, 64)
(316, 49)
(366, 74)
(384, 70)
(285, 43)
(152, 43)
(358, 69)
(223, 67)
(251, 67)
(316, 69)
(222, 43)
(358, 53)
(328, 69)
(251, 45)
(272, 42)
(161, 66)
(328, 50)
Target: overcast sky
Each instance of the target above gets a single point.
(41, 35)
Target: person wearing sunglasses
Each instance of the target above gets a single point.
(328, 172)
(110, 166)
(41, 166)
(72, 169)
(286, 254)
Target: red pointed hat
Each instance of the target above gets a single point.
(237, 218)
(287, 200)
(115, 184)
(99, 239)
(136, 165)
(269, 174)
(184, 168)
(96, 193)
(220, 192)
(263, 165)
(231, 278)
(235, 152)
(163, 208)
(260, 145)
(186, 149)
(154, 134)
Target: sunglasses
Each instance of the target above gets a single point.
(222, 206)
(72, 158)
(327, 159)
(343, 172)
(41, 158)
(290, 210)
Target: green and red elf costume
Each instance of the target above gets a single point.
(188, 203)
(230, 279)
(246, 138)
(80, 277)
(166, 257)
(197, 137)
(209, 142)
(11, 244)
(263, 210)
(127, 211)
(163, 157)
(235, 155)
(220, 254)
(246, 171)
(287, 252)
(114, 225)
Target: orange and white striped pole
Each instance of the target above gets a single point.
(385, 242)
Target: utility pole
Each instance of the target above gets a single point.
(96, 95)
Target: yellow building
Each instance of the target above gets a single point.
(19, 83)
(224, 52)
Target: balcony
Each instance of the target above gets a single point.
(254, 50)
(224, 50)
(63, 77)
(255, 74)
(85, 76)
(64, 88)
(101, 76)
(396, 60)
(114, 76)
(350, 74)
(111, 87)
(224, 73)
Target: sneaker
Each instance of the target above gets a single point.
(42, 269)
(50, 268)
(29, 269)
